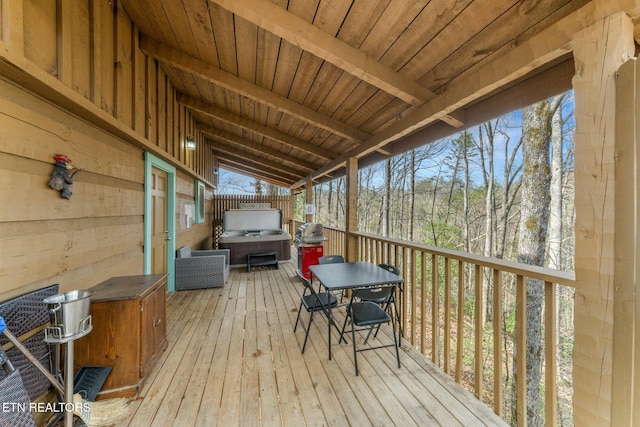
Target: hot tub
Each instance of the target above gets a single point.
(249, 231)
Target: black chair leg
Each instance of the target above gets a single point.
(297, 318)
(344, 326)
(306, 335)
(355, 352)
(395, 341)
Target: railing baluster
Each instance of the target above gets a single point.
(423, 304)
(413, 296)
(435, 348)
(550, 362)
(520, 351)
(460, 322)
(478, 313)
(447, 313)
(498, 391)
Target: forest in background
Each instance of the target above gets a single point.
(503, 189)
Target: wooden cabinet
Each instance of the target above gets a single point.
(129, 331)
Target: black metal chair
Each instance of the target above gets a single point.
(330, 259)
(312, 302)
(368, 315)
(386, 301)
(333, 259)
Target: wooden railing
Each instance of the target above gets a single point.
(439, 286)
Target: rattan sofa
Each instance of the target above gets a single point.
(201, 269)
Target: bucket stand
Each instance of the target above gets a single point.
(70, 320)
(54, 335)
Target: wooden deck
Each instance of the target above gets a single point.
(233, 360)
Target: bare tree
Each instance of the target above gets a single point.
(555, 205)
(486, 146)
(386, 200)
(534, 219)
(412, 194)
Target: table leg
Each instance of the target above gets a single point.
(329, 320)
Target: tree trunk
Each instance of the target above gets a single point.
(555, 204)
(465, 207)
(412, 194)
(486, 151)
(534, 219)
(386, 198)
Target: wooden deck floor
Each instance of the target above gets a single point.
(233, 360)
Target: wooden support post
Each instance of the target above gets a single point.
(626, 326)
(308, 200)
(351, 220)
(599, 52)
(12, 25)
(290, 212)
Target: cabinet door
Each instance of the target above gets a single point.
(153, 330)
(160, 328)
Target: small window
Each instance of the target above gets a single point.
(200, 202)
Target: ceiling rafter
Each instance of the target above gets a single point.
(259, 150)
(270, 174)
(254, 173)
(178, 59)
(469, 86)
(483, 60)
(223, 145)
(233, 119)
(310, 38)
(232, 167)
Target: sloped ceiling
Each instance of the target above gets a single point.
(288, 90)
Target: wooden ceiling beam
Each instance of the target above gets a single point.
(259, 150)
(204, 70)
(549, 45)
(253, 173)
(221, 145)
(310, 38)
(235, 120)
(252, 168)
(455, 118)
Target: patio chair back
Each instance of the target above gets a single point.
(386, 301)
(367, 316)
(330, 259)
(312, 302)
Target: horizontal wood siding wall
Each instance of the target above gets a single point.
(46, 239)
(91, 48)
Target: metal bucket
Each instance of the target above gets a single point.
(69, 313)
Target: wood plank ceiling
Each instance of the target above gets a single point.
(288, 89)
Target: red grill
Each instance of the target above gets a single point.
(310, 243)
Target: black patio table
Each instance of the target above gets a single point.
(351, 275)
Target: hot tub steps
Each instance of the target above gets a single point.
(262, 259)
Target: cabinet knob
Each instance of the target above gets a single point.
(157, 323)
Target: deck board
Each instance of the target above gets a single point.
(233, 359)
